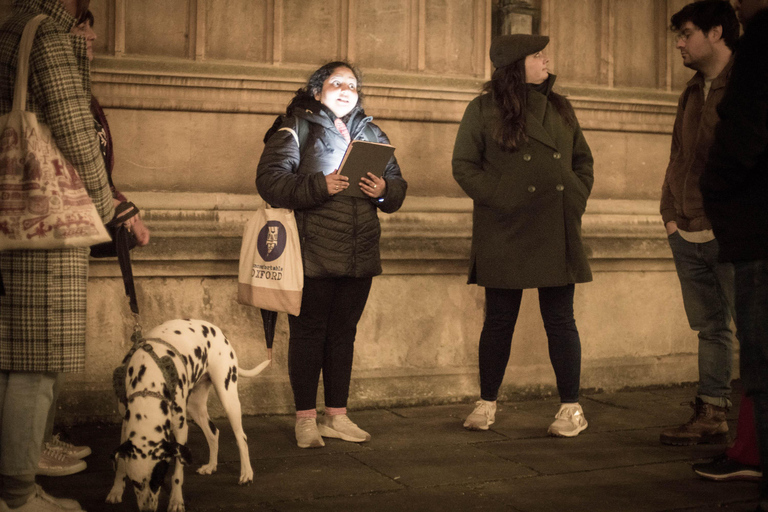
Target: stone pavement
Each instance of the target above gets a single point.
(421, 459)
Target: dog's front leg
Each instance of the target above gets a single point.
(176, 500)
(180, 429)
(118, 487)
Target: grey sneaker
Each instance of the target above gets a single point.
(69, 449)
(56, 463)
(341, 427)
(569, 421)
(482, 417)
(307, 435)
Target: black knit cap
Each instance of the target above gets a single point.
(510, 48)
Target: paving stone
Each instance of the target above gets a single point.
(441, 465)
(436, 499)
(585, 452)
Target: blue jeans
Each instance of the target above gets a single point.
(25, 401)
(707, 287)
(501, 309)
(752, 323)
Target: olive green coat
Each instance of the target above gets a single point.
(528, 204)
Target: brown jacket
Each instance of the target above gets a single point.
(692, 137)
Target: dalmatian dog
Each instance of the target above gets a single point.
(164, 381)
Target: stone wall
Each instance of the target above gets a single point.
(190, 87)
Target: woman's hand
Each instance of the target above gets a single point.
(136, 226)
(336, 182)
(373, 186)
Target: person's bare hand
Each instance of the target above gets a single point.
(373, 186)
(336, 182)
(671, 227)
(140, 231)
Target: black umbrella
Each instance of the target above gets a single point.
(269, 318)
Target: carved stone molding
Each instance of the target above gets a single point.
(208, 87)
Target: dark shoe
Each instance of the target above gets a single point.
(723, 469)
(707, 425)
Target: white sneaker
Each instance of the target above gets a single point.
(569, 421)
(69, 449)
(41, 501)
(56, 463)
(341, 427)
(482, 417)
(307, 435)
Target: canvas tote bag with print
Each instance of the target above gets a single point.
(43, 202)
(271, 274)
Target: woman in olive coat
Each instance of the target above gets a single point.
(521, 156)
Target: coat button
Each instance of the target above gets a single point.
(527, 157)
(531, 189)
(559, 188)
(556, 156)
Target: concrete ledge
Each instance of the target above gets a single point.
(200, 234)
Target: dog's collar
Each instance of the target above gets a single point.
(146, 393)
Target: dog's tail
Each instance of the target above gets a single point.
(253, 371)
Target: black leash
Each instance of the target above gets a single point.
(122, 241)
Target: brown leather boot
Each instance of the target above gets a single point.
(707, 425)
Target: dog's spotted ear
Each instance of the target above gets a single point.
(173, 450)
(125, 450)
(158, 475)
(171, 374)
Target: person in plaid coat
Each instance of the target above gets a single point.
(42, 315)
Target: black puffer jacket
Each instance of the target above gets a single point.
(339, 234)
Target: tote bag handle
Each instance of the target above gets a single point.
(22, 68)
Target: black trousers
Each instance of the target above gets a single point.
(323, 339)
(501, 309)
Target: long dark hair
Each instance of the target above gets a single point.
(509, 90)
(86, 16)
(315, 84)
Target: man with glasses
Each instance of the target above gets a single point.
(707, 31)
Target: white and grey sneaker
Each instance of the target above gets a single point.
(569, 421)
(341, 427)
(58, 463)
(482, 417)
(307, 435)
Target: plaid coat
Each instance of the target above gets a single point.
(42, 315)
